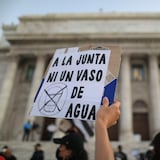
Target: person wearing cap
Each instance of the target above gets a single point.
(71, 147)
(38, 153)
(7, 152)
(156, 147)
(2, 157)
(106, 117)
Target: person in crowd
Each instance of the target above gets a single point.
(7, 152)
(2, 157)
(38, 153)
(67, 126)
(106, 117)
(51, 129)
(141, 156)
(34, 129)
(156, 147)
(75, 129)
(149, 153)
(26, 130)
(71, 147)
(120, 154)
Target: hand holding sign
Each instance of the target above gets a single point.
(74, 85)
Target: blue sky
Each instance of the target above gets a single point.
(10, 10)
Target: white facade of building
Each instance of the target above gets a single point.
(28, 47)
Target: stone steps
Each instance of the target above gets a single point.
(24, 150)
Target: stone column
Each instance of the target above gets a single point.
(154, 94)
(38, 74)
(126, 128)
(7, 87)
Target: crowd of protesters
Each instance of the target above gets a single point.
(71, 145)
(74, 142)
(6, 153)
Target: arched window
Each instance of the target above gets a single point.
(140, 106)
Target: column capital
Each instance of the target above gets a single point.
(13, 57)
(153, 56)
(126, 56)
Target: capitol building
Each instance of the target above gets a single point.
(27, 48)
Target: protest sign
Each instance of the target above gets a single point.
(74, 83)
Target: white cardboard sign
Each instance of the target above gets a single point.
(73, 85)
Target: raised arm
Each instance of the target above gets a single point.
(105, 118)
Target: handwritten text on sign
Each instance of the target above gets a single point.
(73, 86)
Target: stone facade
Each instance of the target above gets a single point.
(28, 47)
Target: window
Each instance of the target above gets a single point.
(140, 106)
(29, 73)
(137, 72)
